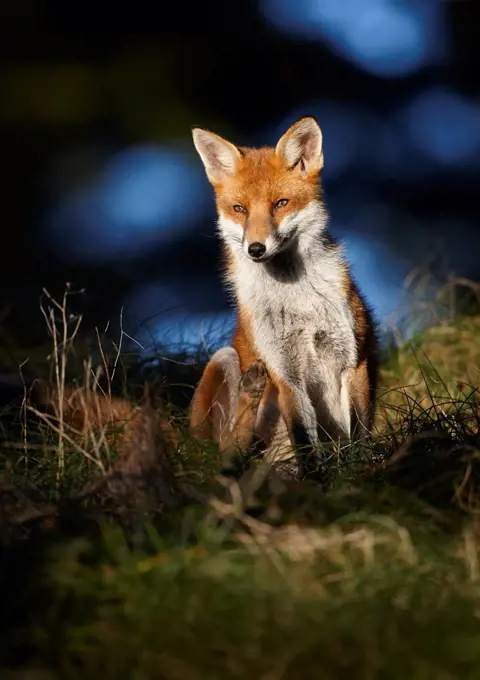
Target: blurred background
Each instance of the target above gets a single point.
(102, 187)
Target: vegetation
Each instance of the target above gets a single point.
(124, 556)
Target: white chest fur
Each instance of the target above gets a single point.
(299, 315)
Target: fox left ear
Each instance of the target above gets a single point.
(219, 157)
(302, 144)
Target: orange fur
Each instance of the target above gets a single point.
(243, 340)
(207, 417)
(259, 182)
(363, 377)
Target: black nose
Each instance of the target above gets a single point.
(256, 249)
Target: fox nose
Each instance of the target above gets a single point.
(256, 249)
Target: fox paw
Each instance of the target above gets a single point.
(312, 467)
(254, 379)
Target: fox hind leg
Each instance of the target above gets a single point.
(362, 402)
(215, 399)
(225, 405)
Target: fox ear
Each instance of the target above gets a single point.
(218, 156)
(302, 144)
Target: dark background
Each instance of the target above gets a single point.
(102, 186)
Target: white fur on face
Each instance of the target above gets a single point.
(302, 226)
(231, 233)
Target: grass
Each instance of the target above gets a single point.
(165, 574)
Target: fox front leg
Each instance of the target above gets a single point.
(300, 418)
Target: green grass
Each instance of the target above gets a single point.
(357, 598)
(376, 576)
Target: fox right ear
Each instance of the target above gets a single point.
(218, 156)
(302, 144)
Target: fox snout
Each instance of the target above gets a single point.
(261, 245)
(259, 250)
(258, 239)
(256, 250)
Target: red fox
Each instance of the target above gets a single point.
(300, 315)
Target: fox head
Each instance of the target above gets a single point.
(267, 199)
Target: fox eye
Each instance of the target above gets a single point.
(281, 203)
(239, 208)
